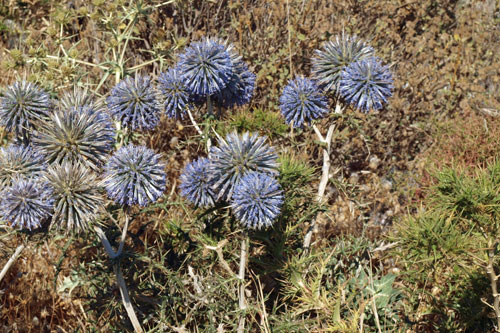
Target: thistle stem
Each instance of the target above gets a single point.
(241, 276)
(198, 129)
(490, 269)
(325, 170)
(119, 276)
(11, 261)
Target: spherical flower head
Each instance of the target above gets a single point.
(302, 102)
(236, 156)
(366, 84)
(240, 87)
(26, 203)
(78, 199)
(135, 175)
(328, 63)
(257, 200)
(19, 160)
(241, 84)
(80, 134)
(21, 106)
(134, 103)
(176, 98)
(196, 183)
(205, 67)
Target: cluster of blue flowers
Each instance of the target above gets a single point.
(345, 66)
(241, 171)
(62, 161)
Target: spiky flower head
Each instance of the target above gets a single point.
(26, 202)
(176, 98)
(22, 104)
(78, 199)
(196, 183)
(241, 84)
(257, 200)
(78, 97)
(328, 63)
(366, 84)
(133, 101)
(135, 175)
(205, 67)
(302, 102)
(236, 156)
(79, 134)
(19, 160)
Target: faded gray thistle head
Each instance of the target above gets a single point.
(79, 134)
(328, 63)
(21, 106)
(235, 157)
(78, 199)
(19, 160)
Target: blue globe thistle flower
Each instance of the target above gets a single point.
(257, 200)
(78, 198)
(79, 134)
(366, 84)
(196, 183)
(205, 67)
(302, 101)
(176, 98)
(235, 157)
(26, 203)
(135, 175)
(240, 87)
(22, 104)
(19, 160)
(328, 63)
(133, 102)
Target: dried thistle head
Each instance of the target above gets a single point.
(257, 200)
(79, 134)
(19, 160)
(133, 102)
(328, 63)
(78, 200)
(235, 157)
(26, 202)
(22, 105)
(135, 175)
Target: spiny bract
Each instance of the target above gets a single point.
(176, 99)
(328, 63)
(133, 101)
(80, 134)
(366, 84)
(135, 175)
(26, 202)
(78, 97)
(78, 200)
(22, 104)
(196, 184)
(302, 101)
(257, 200)
(205, 67)
(235, 157)
(19, 160)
